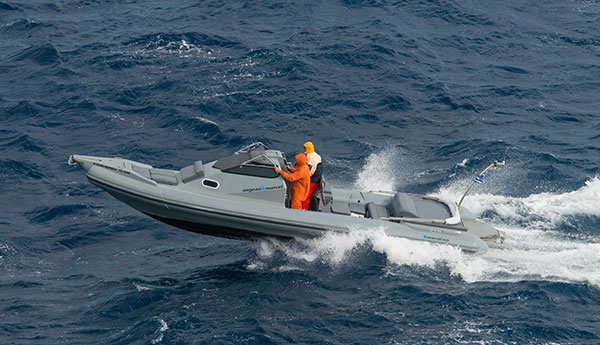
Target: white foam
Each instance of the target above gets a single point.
(463, 164)
(182, 48)
(336, 249)
(544, 209)
(162, 328)
(533, 248)
(139, 287)
(332, 249)
(537, 255)
(18, 21)
(205, 120)
(526, 255)
(384, 170)
(179, 48)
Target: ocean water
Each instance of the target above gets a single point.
(416, 96)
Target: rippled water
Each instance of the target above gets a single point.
(406, 95)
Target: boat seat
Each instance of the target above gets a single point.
(326, 193)
(403, 206)
(192, 172)
(357, 208)
(145, 172)
(376, 211)
(340, 207)
(159, 175)
(163, 176)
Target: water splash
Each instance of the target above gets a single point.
(536, 255)
(543, 210)
(336, 249)
(526, 255)
(331, 249)
(385, 170)
(533, 250)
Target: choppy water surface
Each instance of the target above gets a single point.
(414, 96)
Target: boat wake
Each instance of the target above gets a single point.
(543, 210)
(538, 245)
(544, 236)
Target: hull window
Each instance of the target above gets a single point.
(210, 183)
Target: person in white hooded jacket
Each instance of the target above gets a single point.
(316, 170)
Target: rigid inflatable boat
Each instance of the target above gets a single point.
(241, 196)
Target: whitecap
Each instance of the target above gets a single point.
(162, 328)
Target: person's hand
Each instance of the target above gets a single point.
(289, 167)
(276, 169)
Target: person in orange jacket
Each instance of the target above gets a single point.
(300, 178)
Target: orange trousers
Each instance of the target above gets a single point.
(296, 204)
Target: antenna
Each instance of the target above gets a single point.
(479, 179)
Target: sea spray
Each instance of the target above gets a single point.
(376, 173)
(533, 249)
(545, 209)
(332, 248)
(336, 248)
(526, 255)
(387, 169)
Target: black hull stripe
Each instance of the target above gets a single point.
(103, 184)
(214, 230)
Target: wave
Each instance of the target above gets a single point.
(442, 96)
(170, 40)
(539, 211)
(18, 168)
(46, 214)
(336, 249)
(146, 49)
(22, 110)
(526, 255)
(369, 56)
(6, 7)
(19, 142)
(20, 25)
(5, 251)
(43, 55)
(534, 248)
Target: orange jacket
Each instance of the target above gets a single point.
(300, 178)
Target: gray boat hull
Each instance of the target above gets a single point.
(246, 212)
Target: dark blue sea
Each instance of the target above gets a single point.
(417, 96)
